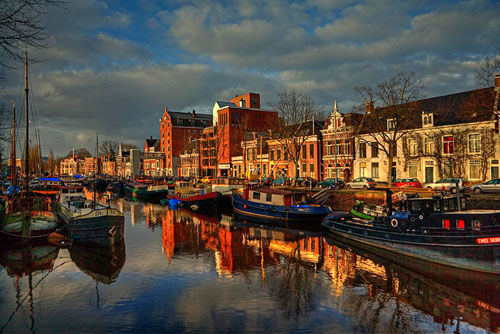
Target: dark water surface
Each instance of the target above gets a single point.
(181, 272)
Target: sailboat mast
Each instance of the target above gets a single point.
(39, 153)
(13, 166)
(27, 144)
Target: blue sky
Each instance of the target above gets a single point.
(113, 66)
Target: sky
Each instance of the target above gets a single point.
(112, 67)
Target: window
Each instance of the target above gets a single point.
(362, 150)
(271, 155)
(347, 146)
(474, 166)
(362, 170)
(475, 143)
(428, 146)
(256, 195)
(374, 149)
(391, 124)
(448, 169)
(304, 169)
(329, 150)
(269, 197)
(311, 170)
(413, 147)
(448, 144)
(412, 169)
(311, 150)
(304, 151)
(278, 154)
(375, 170)
(285, 156)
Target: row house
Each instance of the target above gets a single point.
(456, 135)
(92, 166)
(338, 144)
(72, 166)
(209, 154)
(282, 154)
(190, 160)
(128, 162)
(152, 158)
(255, 159)
(176, 129)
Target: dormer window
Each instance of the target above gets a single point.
(391, 125)
(427, 119)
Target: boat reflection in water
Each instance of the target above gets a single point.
(103, 264)
(393, 289)
(27, 261)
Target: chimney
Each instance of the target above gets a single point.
(150, 137)
(194, 113)
(242, 103)
(369, 107)
(497, 80)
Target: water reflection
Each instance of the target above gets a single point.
(186, 272)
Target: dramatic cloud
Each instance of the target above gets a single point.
(114, 66)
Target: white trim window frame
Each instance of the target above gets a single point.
(474, 141)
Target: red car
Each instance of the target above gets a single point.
(408, 183)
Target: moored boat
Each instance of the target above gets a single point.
(277, 205)
(195, 198)
(88, 221)
(146, 192)
(439, 230)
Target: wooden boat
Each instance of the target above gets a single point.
(277, 205)
(88, 221)
(25, 214)
(439, 230)
(146, 192)
(195, 198)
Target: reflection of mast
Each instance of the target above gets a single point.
(13, 165)
(27, 144)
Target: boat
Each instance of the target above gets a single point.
(439, 229)
(146, 192)
(25, 214)
(195, 198)
(277, 205)
(88, 221)
(226, 186)
(103, 264)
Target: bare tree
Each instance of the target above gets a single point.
(109, 149)
(22, 25)
(296, 124)
(396, 112)
(81, 153)
(128, 146)
(485, 73)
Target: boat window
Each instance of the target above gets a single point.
(437, 206)
(476, 225)
(446, 224)
(460, 224)
(65, 191)
(416, 206)
(269, 197)
(256, 195)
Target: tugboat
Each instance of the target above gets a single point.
(277, 206)
(439, 229)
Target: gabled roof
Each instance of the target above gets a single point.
(223, 104)
(188, 115)
(151, 142)
(190, 119)
(465, 107)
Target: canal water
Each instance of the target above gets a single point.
(180, 272)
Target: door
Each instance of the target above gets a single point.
(429, 174)
(494, 172)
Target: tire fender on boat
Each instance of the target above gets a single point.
(412, 219)
(394, 222)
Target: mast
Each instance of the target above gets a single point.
(27, 144)
(13, 167)
(335, 109)
(97, 162)
(39, 152)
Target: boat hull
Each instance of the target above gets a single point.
(277, 213)
(461, 252)
(208, 201)
(103, 227)
(29, 223)
(145, 195)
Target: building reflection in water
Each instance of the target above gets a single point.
(383, 296)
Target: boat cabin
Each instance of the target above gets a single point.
(274, 196)
(70, 192)
(427, 206)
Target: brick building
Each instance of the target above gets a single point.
(240, 115)
(190, 160)
(175, 131)
(338, 141)
(152, 158)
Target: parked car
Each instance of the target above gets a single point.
(281, 181)
(310, 182)
(491, 186)
(407, 183)
(206, 179)
(332, 182)
(448, 184)
(361, 183)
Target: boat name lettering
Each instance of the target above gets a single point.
(490, 240)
